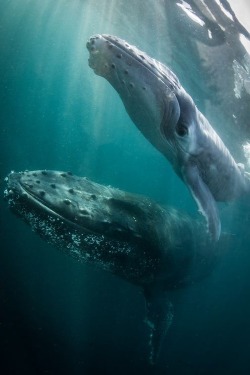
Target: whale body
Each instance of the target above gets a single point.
(167, 116)
(157, 249)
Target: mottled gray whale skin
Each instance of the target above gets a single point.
(128, 235)
(167, 116)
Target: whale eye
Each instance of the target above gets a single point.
(181, 130)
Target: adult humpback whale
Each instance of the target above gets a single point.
(128, 235)
(169, 119)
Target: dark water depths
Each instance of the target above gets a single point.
(60, 317)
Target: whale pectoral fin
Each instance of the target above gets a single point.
(204, 199)
(159, 316)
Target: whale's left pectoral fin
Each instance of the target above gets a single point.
(159, 316)
(204, 199)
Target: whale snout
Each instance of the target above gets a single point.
(94, 48)
(75, 201)
(118, 61)
(60, 194)
(109, 56)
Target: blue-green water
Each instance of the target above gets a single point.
(59, 317)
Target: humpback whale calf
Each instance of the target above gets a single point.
(167, 116)
(128, 235)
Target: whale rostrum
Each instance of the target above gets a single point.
(167, 116)
(158, 249)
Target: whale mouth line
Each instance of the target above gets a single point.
(37, 204)
(21, 199)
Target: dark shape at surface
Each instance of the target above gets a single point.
(212, 13)
(128, 235)
(167, 116)
(207, 52)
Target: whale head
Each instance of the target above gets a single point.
(152, 95)
(147, 88)
(90, 222)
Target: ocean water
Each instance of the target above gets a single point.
(60, 317)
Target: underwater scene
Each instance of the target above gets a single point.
(125, 185)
